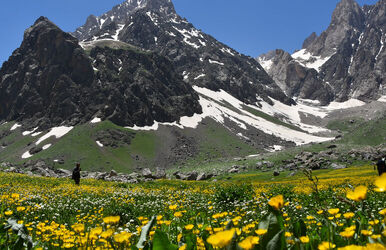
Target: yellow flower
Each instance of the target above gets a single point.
(173, 207)
(287, 234)
(309, 217)
(383, 212)
(107, 234)
(380, 183)
(326, 246)
(348, 232)
(8, 213)
(15, 196)
(277, 202)
(111, 219)
(78, 228)
(261, 231)
(20, 209)
(122, 237)
(249, 242)
(221, 239)
(189, 227)
(375, 236)
(375, 246)
(304, 239)
(320, 212)
(333, 211)
(178, 214)
(96, 231)
(366, 232)
(352, 247)
(359, 193)
(348, 215)
(183, 247)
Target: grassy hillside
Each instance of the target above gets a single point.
(357, 131)
(79, 145)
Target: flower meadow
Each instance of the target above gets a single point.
(308, 213)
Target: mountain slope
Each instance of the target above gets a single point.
(50, 80)
(348, 60)
(199, 58)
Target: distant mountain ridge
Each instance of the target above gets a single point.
(348, 60)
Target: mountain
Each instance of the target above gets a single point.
(141, 86)
(199, 58)
(347, 60)
(51, 80)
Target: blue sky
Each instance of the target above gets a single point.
(251, 27)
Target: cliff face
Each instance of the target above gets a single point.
(348, 60)
(52, 80)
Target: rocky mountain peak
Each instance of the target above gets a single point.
(120, 14)
(348, 12)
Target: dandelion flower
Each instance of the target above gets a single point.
(261, 231)
(326, 246)
(359, 193)
(178, 214)
(189, 227)
(348, 215)
(304, 239)
(333, 211)
(366, 232)
(221, 239)
(111, 219)
(8, 213)
(352, 247)
(122, 237)
(277, 202)
(380, 183)
(20, 209)
(249, 242)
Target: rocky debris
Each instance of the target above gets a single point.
(114, 137)
(192, 176)
(146, 172)
(331, 158)
(204, 177)
(160, 173)
(236, 169)
(261, 165)
(35, 150)
(276, 173)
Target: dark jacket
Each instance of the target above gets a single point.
(381, 166)
(76, 173)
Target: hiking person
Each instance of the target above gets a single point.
(76, 174)
(381, 166)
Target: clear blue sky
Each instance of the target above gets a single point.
(251, 27)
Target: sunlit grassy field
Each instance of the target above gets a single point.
(327, 209)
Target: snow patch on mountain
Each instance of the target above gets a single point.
(308, 60)
(15, 126)
(56, 131)
(266, 64)
(211, 107)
